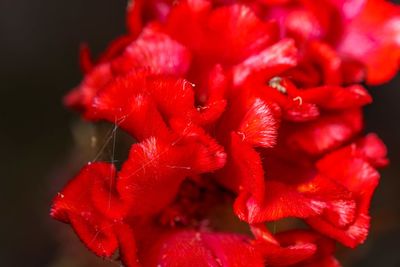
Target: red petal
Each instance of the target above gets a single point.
(328, 60)
(81, 97)
(351, 236)
(238, 32)
(97, 235)
(135, 113)
(207, 155)
(143, 105)
(190, 248)
(259, 126)
(372, 38)
(297, 111)
(127, 246)
(299, 248)
(340, 206)
(267, 63)
(133, 16)
(350, 167)
(75, 205)
(289, 253)
(155, 51)
(374, 150)
(228, 34)
(325, 133)
(336, 97)
(233, 250)
(116, 48)
(325, 247)
(243, 172)
(150, 178)
(280, 201)
(85, 59)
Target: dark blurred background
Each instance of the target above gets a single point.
(39, 139)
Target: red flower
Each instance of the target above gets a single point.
(361, 34)
(229, 109)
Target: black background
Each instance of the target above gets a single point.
(39, 41)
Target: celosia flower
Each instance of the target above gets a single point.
(354, 36)
(244, 104)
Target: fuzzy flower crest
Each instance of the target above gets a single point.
(255, 106)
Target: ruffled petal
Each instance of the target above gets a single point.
(259, 125)
(267, 63)
(227, 34)
(88, 212)
(156, 52)
(352, 167)
(328, 132)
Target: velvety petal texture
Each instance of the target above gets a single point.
(242, 112)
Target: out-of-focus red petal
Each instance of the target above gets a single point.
(372, 38)
(134, 21)
(185, 23)
(300, 248)
(323, 257)
(336, 97)
(374, 150)
(212, 95)
(238, 32)
(353, 71)
(349, 8)
(156, 52)
(217, 84)
(297, 111)
(233, 250)
(275, 2)
(287, 256)
(85, 58)
(298, 23)
(81, 97)
(268, 62)
(328, 60)
(190, 248)
(227, 34)
(305, 74)
(328, 132)
(181, 249)
(115, 48)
